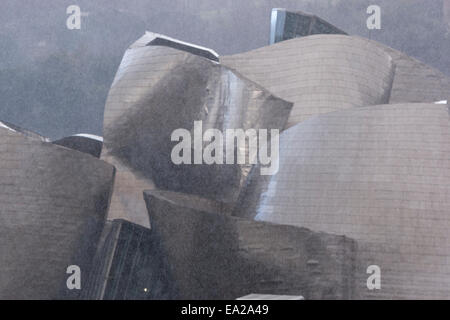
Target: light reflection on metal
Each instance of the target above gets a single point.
(159, 89)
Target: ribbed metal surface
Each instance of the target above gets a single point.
(82, 144)
(415, 81)
(215, 256)
(379, 175)
(53, 206)
(320, 73)
(159, 89)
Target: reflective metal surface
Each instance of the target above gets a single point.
(159, 89)
(53, 206)
(285, 25)
(379, 175)
(89, 144)
(320, 73)
(215, 256)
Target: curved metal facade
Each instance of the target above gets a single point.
(53, 207)
(159, 89)
(415, 81)
(215, 256)
(82, 143)
(319, 73)
(380, 175)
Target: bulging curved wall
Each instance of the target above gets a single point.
(53, 206)
(320, 73)
(159, 89)
(216, 256)
(379, 175)
(415, 81)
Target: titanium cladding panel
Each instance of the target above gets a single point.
(215, 256)
(415, 81)
(380, 175)
(320, 73)
(159, 89)
(54, 203)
